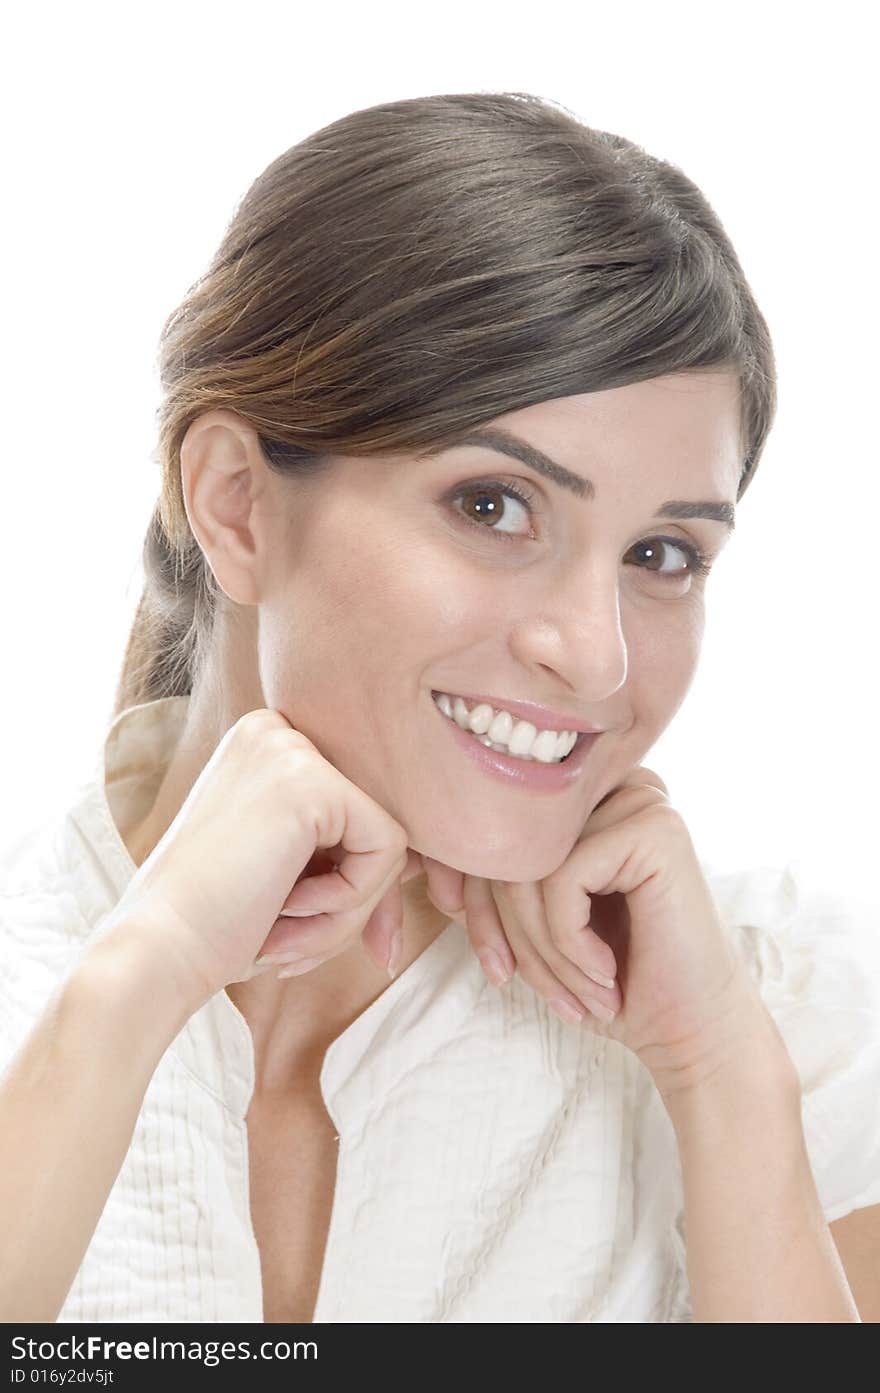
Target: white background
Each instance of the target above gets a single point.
(130, 137)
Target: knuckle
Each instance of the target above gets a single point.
(644, 775)
(667, 818)
(295, 758)
(642, 794)
(399, 842)
(565, 940)
(287, 737)
(260, 720)
(265, 734)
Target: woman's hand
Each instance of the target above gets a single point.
(273, 852)
(630, 902)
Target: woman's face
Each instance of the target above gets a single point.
(387, 579)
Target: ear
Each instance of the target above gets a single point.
(223, 475)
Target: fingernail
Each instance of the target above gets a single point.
(279, 959)
(394, 953)
(493, 967)
(598, 1009)
(260, 965)
(598, 977)
(566, 1011)
(295, 969)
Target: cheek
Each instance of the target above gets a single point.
(355, 622)
(662, 666)
(443, 582)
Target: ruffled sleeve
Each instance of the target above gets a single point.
(814, 954)
(42, 930)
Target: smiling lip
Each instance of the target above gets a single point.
(541, 717)
(532, 774)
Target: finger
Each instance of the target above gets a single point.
(641, 774)
(371, 852)
(567, 907)
(559, 985)
(330, 931)
(648, 776)
(383, 924)
(638, 777)
(548, 971)
(255, 970)
(486, 931)
(413, 866)
(445, 886)
(621, 803)
(356, 879)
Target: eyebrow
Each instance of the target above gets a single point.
(506, 443)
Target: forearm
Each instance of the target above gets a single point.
(69, 1101)
(758, 1245)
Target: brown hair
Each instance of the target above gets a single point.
(419, 267)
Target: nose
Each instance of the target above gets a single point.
(575, 632)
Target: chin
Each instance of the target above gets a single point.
(513, 867)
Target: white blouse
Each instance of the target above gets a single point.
(495, 1164)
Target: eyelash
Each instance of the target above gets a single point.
(700, 564)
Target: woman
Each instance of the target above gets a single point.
(452, 430)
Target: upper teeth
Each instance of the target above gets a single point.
(499, 727)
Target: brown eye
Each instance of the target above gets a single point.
(654, 550)
(488, 506)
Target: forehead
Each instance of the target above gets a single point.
(686, 426)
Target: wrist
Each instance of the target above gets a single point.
(743, 1065)
(126, 981)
